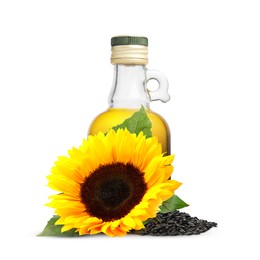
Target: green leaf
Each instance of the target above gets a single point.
(138, 122)
(52, 230)
(172, 203)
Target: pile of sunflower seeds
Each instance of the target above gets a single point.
(175, 223)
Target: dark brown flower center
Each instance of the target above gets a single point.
(112, 190)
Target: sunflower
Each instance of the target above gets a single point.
(111, 183)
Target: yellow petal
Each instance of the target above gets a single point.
(66, 228)
(138, 223)
(83, 231)
(128, 221)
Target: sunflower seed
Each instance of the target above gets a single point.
(175, 223)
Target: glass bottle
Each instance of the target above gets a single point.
(129, 89)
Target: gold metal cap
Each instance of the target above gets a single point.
(131, 50)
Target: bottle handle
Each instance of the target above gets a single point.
(161, 93)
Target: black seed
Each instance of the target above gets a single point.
(164, 234)
(191, 224)
(175, 223)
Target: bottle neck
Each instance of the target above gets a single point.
(129, 87)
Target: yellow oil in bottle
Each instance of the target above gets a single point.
(115, 116)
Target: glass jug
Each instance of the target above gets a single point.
(129, 89)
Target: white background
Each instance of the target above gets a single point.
(55, 76)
